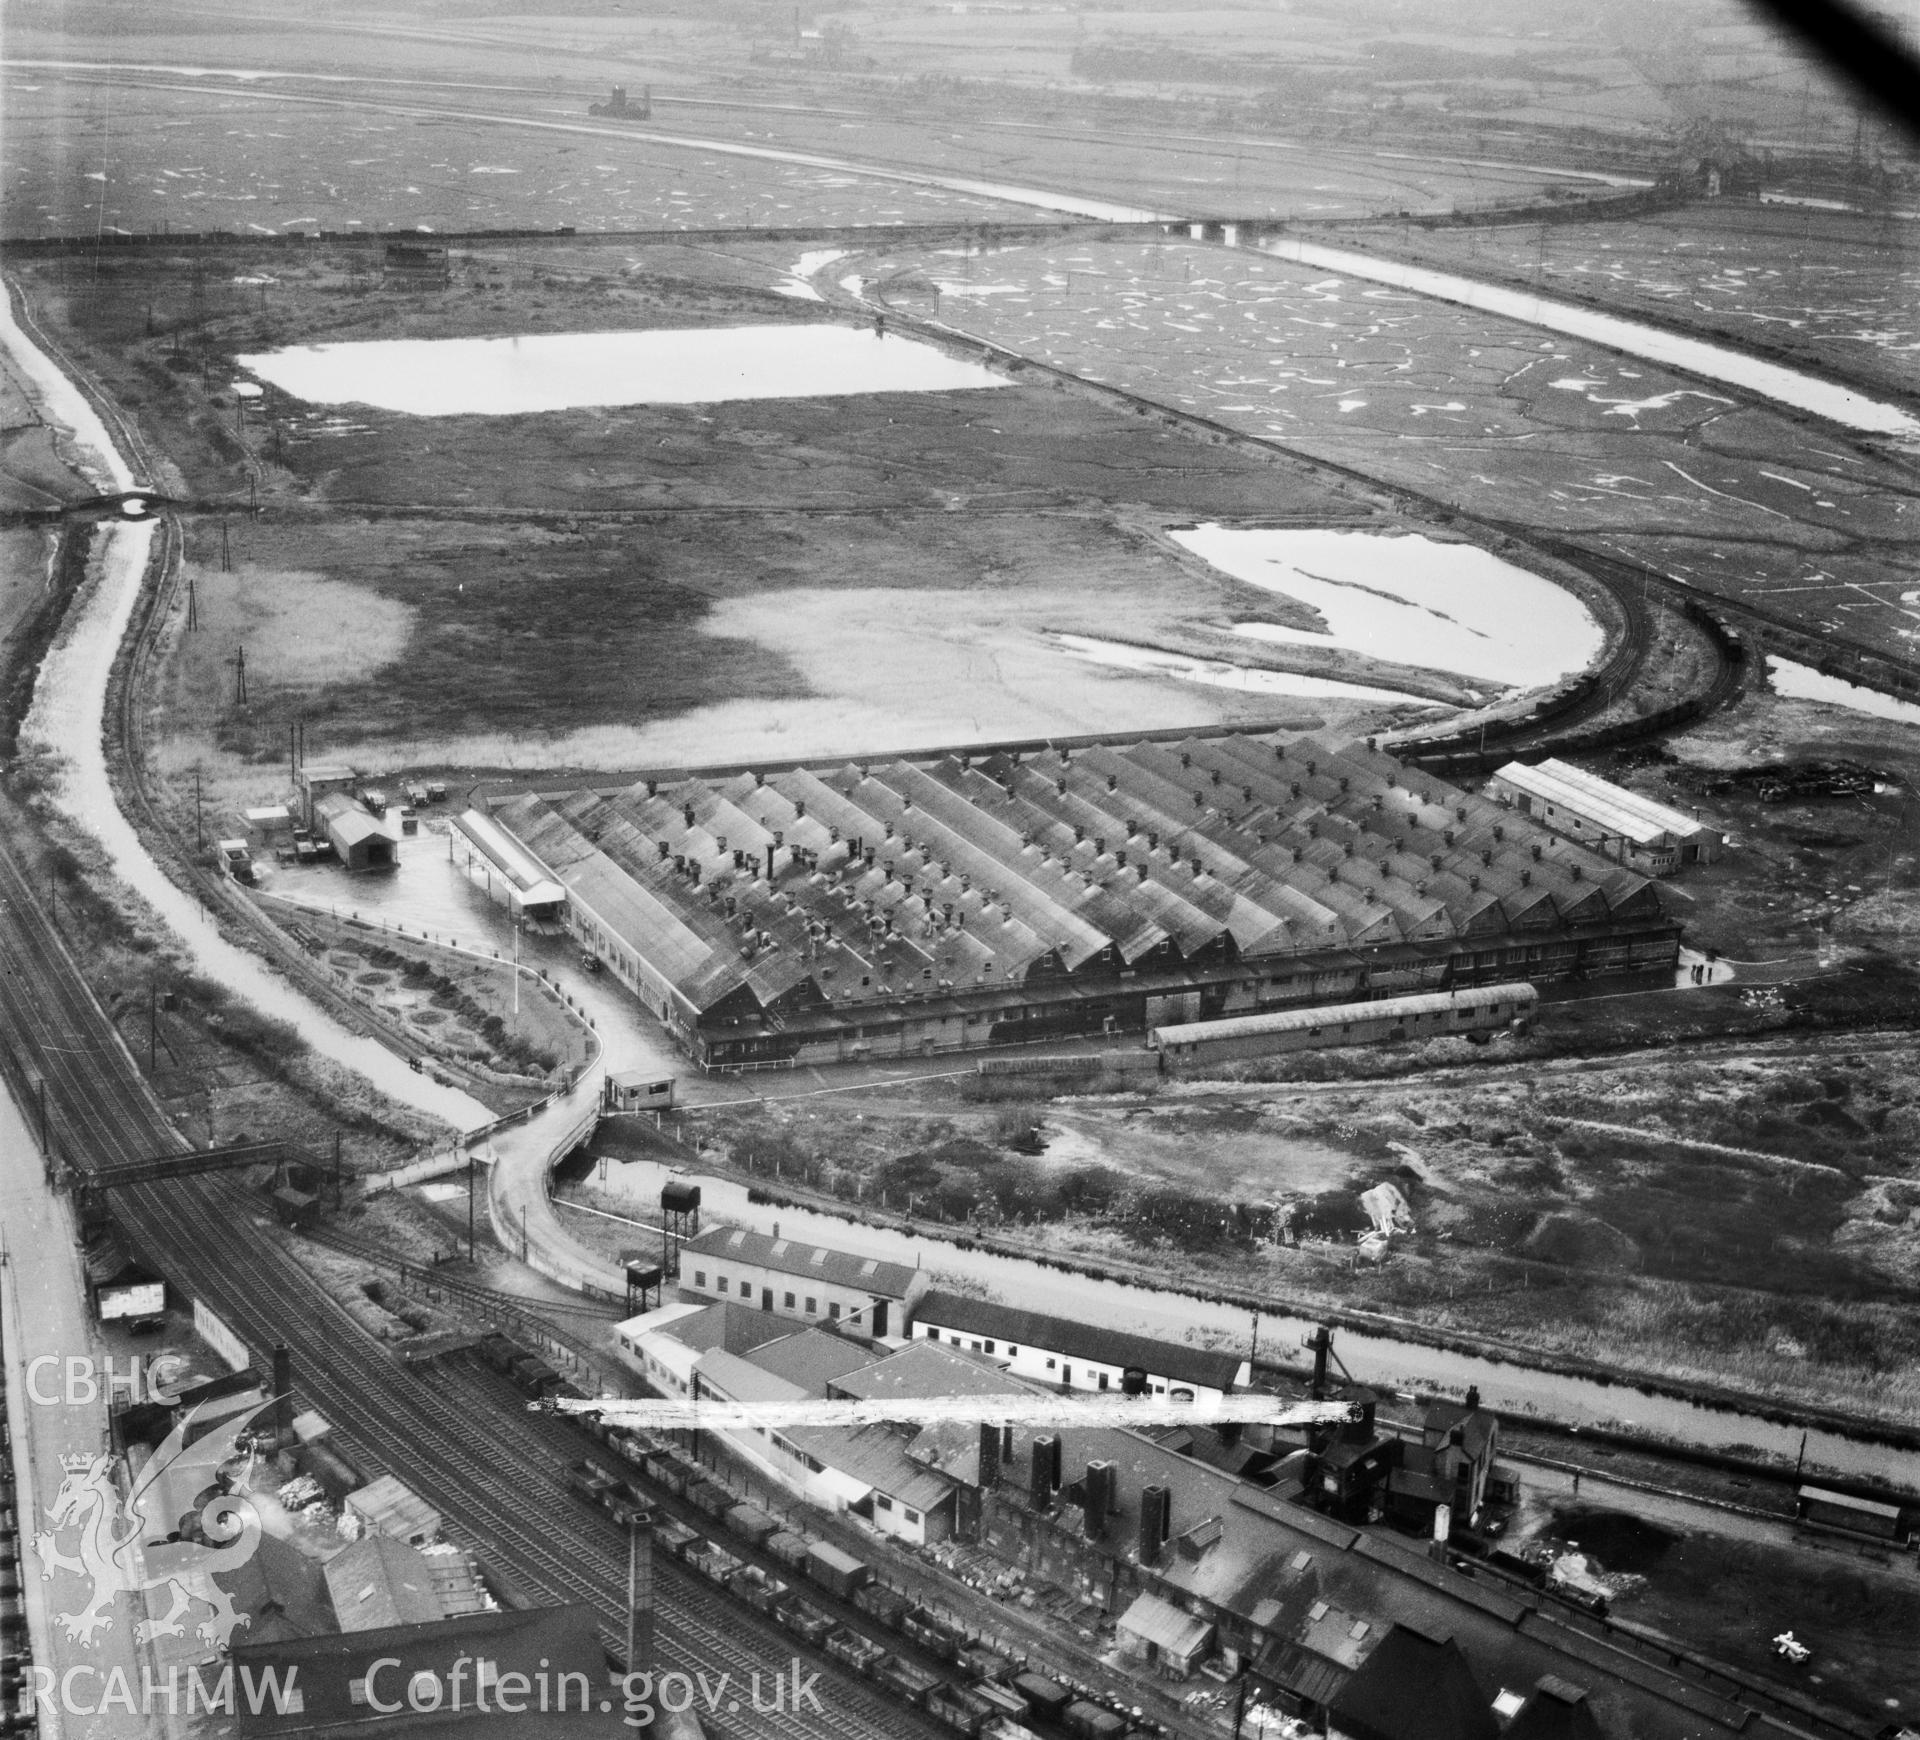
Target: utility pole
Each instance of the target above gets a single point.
(339, 1191)
(199, 819)
(240, 676)
(226, 556)
(473, 1168)
(193, 602)
(153, 1027)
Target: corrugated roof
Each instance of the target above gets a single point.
(1173, 1629)
(1619, 811)
(973, 876)
(1010, 1326)
(393, 1508)
(873, 1275)
(1521, 996)
(876, 1456)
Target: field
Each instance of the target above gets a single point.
(606, 588)
(1832, 291)
(1483, 414)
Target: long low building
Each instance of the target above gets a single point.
(792, 1278)
(1618, 823)
(1431, 1015)
(813, 914)
(1076, 1356)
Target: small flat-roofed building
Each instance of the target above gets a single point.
(360, 841)
(637, 1090)
(792, 1278)
(1076, 1356)
(1637, 831)
(387, 1507)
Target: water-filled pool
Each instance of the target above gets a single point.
(497, 377)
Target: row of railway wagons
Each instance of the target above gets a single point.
(989, 1697)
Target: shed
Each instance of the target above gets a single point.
(511, 870)
(1651, 836)
(360, 841)
(295, 1208)
(634, 1090)
(386, 1507)
(1841, 1510)
(319, 781)
(1157, 1632)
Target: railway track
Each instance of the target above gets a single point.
(494, 1479)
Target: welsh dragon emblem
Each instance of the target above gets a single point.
(154, 1542)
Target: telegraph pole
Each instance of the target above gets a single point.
(199, 819)
(240, 677)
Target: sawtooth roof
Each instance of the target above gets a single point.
(899, 879)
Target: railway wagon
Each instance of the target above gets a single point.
(1044, 1697)
(834, 1570)
(959, 1709)
(710, 1500)
(1429, 1015)
(713, 1562)
(499, 1351)
(1001, 1700)
(804, 1620)
(905, 1681)
(760, 1591)
(982, 1663)
(674, 1536)
(861, 1654)
(1090, 1722)
(790, 1549)
(888, 1606)
(932, 1633)
(1002, 1728)
(751, 1523)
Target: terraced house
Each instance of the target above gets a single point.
(821, 913)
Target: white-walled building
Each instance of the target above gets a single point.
(790, 1278)
(1651, 837)
(1077, 1356)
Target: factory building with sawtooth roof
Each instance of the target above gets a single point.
(824, 912)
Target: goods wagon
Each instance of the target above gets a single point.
(834, 1570)
(1090, 1722)
(712, 1561)
(704, 1496)
(760, 1592)
(861, 1654)
(886, 1605)
(789, 1548)
(674, 1536)
(1000, 1700)
(958, 1708)
(905, 1681)
(804, 1620)
(1045, 1699)
(933, 1634)
(751, 1523)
